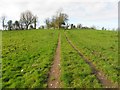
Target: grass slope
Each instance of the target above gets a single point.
(101, 47)
(27, 57)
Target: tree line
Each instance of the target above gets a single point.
(29, 21)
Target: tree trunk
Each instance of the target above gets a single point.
(35, 25)
(27, 27)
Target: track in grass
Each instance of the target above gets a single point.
(100, 75)
(54, 74)
(100, 47)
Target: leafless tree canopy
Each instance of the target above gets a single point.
(27, 18)
(35, 18)
(57, 20)
(3, 21)
(48, 23)
(29, 21)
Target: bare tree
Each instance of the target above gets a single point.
(57, 20)
(21, 25)
(27, 18)
(61, 18)
(35, 21)
(48, 23)
(3, 21)
(79, 26)
(53, 22)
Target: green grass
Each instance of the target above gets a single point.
(27, 57)
(74, 70)
(101, 47)
(0, 59)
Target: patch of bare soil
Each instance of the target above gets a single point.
(99, 74)
(54, 74)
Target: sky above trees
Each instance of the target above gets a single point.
(101, 13)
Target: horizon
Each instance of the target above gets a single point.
(95, 12)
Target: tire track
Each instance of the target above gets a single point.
(54, 74)
(99, 74)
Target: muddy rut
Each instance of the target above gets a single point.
(99, 74)
(54, 74)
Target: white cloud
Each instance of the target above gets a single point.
(79, 11)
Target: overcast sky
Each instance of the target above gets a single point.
(87, 12)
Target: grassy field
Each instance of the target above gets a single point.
(28, 55)
(75, 72)
(101, 47)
